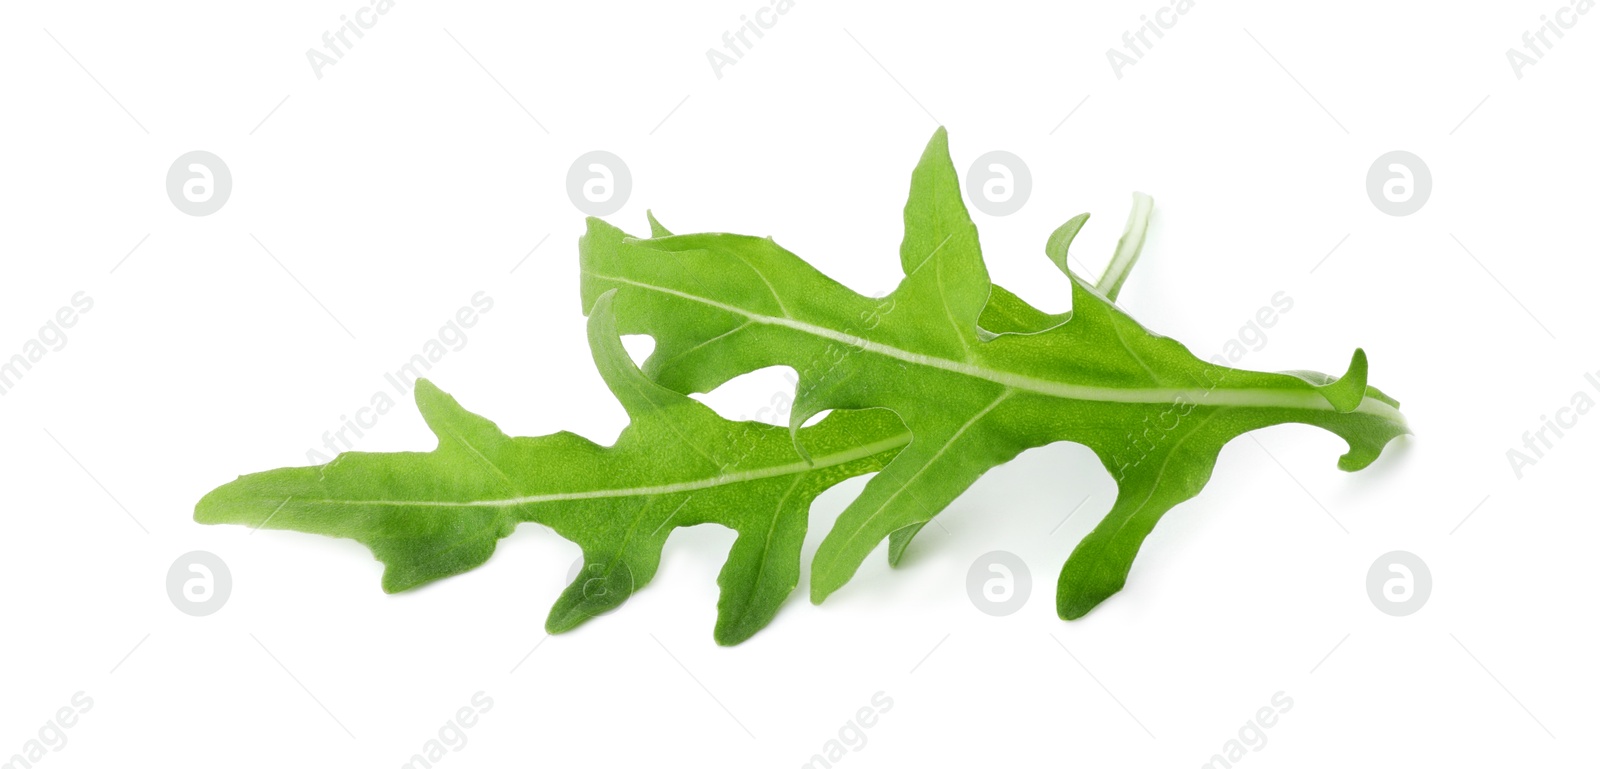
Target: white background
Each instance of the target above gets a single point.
(405, 179)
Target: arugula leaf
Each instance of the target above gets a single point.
(975, 373)
(435, 514)
(929, 387)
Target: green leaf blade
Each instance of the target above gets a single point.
(929, 387)
(430, 515)
(971, 366)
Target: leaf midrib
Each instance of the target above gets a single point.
(1217, 396)
(926, 465)
(828, 460)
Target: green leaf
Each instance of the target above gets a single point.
(435, 514)
(928, 387)
(976, 374)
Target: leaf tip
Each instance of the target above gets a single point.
(1056, 246)
(563, 619)
(567, 613)
(434, 404)
(1074, 610)
(392, 582)
(823, 584)
(1364, 452)
(938, 149)
(425, 388)
(900, 540)
(656, 229)
(734, 633)
(588, 596)
(1346, 393)
(1078, 593)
